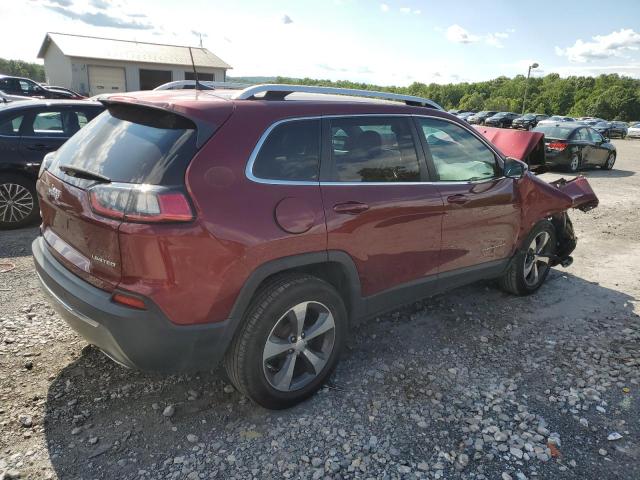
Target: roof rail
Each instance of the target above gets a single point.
(280, 91)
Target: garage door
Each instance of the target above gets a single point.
(106, 80)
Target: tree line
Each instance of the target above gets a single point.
(18, 68)
(612, 97)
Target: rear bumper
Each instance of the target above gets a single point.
(141, 339)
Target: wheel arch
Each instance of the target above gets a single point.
(335, 267)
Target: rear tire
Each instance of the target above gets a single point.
(574, 165)
(18, 201)
(278, 357)
(528, 270)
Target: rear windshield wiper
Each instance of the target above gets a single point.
(82, 173)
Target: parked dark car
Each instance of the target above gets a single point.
(28, 88)
(480, 117)
(528, 121)
(72, 94)
(28, 131)
(618, 129)
(501, 119)
(572, 145)
(603, 128)
(172, 243)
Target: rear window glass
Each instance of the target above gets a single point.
(132, 145)
(290, 152)
(555, 131)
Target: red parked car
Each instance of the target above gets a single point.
(185, 228)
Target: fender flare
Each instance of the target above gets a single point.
(292, 262)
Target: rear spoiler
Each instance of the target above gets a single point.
(204, 129)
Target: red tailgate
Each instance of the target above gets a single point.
(85, 243)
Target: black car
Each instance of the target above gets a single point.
(572, 145)
(618, 129)
(480, 117)
(501, 119)
(528, 121)
(28, 131)
(603, 128)
(26, 87)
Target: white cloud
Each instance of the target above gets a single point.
(405, 10)
(614, 44)
(384, 7)
(457, 34)
(417, 12)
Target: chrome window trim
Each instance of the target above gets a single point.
(256, 150)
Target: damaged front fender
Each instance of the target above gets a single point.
(542, 200)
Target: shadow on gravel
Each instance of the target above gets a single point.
(600, 173)
(17, 243)
(103, 421)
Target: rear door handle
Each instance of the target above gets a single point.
(458, 199)
(350, 208)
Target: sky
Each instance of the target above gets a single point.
(386, 43)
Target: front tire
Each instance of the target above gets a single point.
(611, 160)
(289, 343)
(18, 202)
(530, 266)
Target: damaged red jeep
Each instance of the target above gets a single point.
(182, 229)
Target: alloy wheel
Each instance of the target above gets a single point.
(16, 202)
(299, 346)
(536, 261)
(611, 159)
(575, 163)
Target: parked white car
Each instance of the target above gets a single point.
(634, 130)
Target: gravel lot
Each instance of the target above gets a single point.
(474, 383)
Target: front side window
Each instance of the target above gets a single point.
(373, 149)
(581, 135)
(290, 152)
(595, 136)
(458, 156)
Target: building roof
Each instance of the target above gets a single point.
(130, 51)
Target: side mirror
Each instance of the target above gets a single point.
(514, 168)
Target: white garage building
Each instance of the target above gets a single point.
(93, 65)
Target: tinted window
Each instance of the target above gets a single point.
(48, 123)
(595, 136)
(374, 149)
(290, 152)
(555, 131)
(457, 154)
(132, 144)
(28, 87)
(11, 126)
(582, 135)
(63, 123)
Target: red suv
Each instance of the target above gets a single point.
(185, 228)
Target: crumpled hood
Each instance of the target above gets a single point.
(578, 189)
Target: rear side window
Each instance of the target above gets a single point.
(373, 149)
(290, 152)
(11, 127)
(132, 145)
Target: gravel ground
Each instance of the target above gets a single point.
(472, 384)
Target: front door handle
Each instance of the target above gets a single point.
(350, 208)
(458, 199)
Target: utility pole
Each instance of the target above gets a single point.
(526, 86)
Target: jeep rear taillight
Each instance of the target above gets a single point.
(140, 203)
(559, 146)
